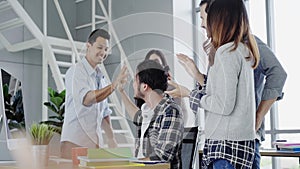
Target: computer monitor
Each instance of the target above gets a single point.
(12, 110)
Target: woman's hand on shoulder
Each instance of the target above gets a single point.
(179, 91)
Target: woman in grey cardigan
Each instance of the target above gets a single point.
(228, 99)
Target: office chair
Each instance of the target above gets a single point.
(189, 147)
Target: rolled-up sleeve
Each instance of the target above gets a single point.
(275, 75)
(77, 84)
(194, 99)
(82, 87)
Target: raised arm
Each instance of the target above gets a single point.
(130, 107)
(190, 67)
(96, 96)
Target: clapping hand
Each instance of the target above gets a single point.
(178, 91)
(190, 66)
(121, 79)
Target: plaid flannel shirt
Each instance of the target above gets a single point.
(163, 138)
(196, 94)
(239, 153)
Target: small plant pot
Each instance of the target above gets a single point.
(40, 155)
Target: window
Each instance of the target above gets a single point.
(285, 37)
(287, 49)
(257, 18)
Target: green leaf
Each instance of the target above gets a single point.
(51, 107)
(51, 92)
(56, 101)
(55, 117)
(57, 105)
(53, 123)
(62, 94)
(61, 112)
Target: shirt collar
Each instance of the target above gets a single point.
(162, 103)
(90, 70)
(88, 67)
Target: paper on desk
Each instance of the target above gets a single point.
(147, 161)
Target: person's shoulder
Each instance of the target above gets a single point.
(76, 69)
(172, 108)
(70, 70)
(259, 41)
(227, 51)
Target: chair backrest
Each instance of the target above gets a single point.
(189, 147)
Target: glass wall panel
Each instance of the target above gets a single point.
(257, 16)
(287, 49)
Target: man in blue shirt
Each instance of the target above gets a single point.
(87, 111)
(266, 93)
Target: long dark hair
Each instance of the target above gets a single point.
(227, 21)
(160, 55)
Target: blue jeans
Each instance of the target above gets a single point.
(221, 164)
(256, 162)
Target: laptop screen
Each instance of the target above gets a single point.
(11, 109)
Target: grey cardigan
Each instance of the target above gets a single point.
(230, 101)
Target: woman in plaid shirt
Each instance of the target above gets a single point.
(228, 99)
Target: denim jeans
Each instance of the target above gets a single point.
(221, 164)
(256, 162)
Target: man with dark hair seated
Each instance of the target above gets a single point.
(162, 138)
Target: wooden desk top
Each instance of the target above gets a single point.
(274, 153)
(70, 166)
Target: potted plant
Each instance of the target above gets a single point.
(57, 106)
(41, 134)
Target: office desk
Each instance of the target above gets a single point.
(275, 153)
(53, 165)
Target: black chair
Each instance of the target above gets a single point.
(189, 147)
